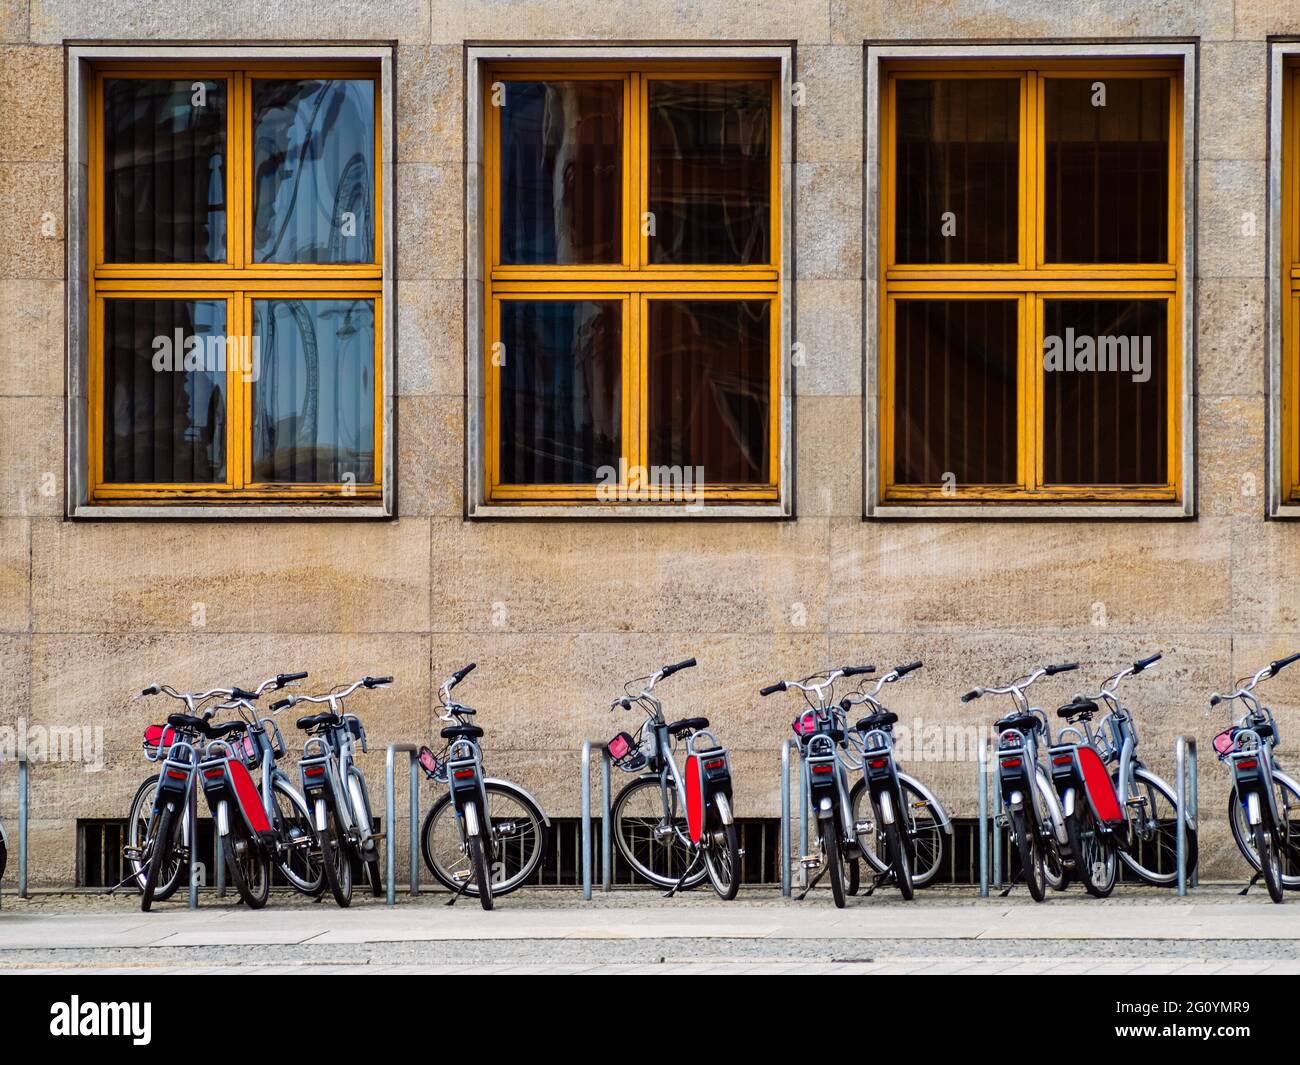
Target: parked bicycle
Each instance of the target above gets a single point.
(1029, 801)
(674, 826)
(820, 732)
(340, 821)
(900, 825)
(1116, 809)
(158, 842)
(1264, 802)
(485, 836)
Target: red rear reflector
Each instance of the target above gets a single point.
(822, 770)
(878, 763)
(314, 771)
(464, 774)
(213, 774)
(1248, 763)
(1010, 763)
(176, 774)
(1062, 759)
(717, 763)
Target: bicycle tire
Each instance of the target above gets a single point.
(522, 870)
(619, 817)
(479, 864)
(1244, 838)
(1160, 877)
(336, 861)
(899, 862)
(834, 867)
(137, 832)
(1270, 860)
(929, 845)
(1085, 839)
(1031, 858)
(313, 883)
(157, 855)
(724, 875)
(248, 865)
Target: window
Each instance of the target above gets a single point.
(1031, 283)
(1286, 385)
(631, 235)
(235, 284)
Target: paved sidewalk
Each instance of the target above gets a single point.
(640, 932)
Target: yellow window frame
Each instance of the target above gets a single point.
(237, 281)
(1030, 281)
(1290, 304)
(633, 280)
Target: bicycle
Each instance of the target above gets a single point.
(1122, 814)
(1263, 799)
(820, 732)
(485, 836)
(340, 819)
(159, 845)
(274, 825)
(900, 825)
(674, 827)
(1041, 836)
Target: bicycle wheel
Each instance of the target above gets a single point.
(479, 861)
(1025, 833)
(654, 842)
(248, 864)
(1153, 831)
(899, 860)
(159, 849)
(1286, 833)
(722, 860)
(1270, 858)
(519, 838)
(336, 860)
(299, 862)
(924, 826)
(137, 832)
(834, 867)
(1094, 852)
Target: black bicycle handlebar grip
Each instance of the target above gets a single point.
(289, 678)
(1282, 663)
(374, 682)
(972, 695)
(239, 693)
(1064, 667)
(1145, 663)
(779, 686)
(855, 671)
(1215, 700)
(462, 673)
(903, 671)
(625, 703)
(685, 663)
(281, 704)
(151, 690)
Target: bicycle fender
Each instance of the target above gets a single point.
(886, 808)
(936, 807)
(527, 794)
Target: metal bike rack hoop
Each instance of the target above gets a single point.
(1185, 792)
(390, 815)
(606, 831)
(786, 770)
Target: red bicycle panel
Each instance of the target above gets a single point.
(249, 799)
(694, 799)
(1100, 788)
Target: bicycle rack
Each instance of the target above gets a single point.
(390, 815)
(606, 837)
(1185, 790)
(22, 824)
(192, 816)
(989, 829)
(787, 818)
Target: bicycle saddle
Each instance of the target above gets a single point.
(226, 728)
(461, 732)
(1077, 708)
(879, 719)
(326, 718)
(688, 724)
(1019, 722)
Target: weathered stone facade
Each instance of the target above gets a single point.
(559, 614)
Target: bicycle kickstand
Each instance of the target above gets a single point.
(878, 880)
(1253, 881)
(459, 892)
(699, 854)
(812, 884)
(1014, 881)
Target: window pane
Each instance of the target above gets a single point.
(1106, 401)
(710, 373)
(562, 172)
(164, 171)
(561, 377)
(314, 391)
(958, 171)
(1107, 179)
(164, 391)
(955, 409)
(710, 171)
(314, 171)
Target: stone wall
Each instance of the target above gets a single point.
(557, 615)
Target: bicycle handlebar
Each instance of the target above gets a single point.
(1065, 667)
(772, 689)
(1146, 663)
(972, 695)
(1282, 663)
(903, 671)
(668, 671)
(856, 671)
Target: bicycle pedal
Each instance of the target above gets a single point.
(133, 854)
(808, 861)
(864, 826)
(461, 877)
(1137, 802)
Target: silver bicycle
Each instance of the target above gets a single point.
(341, 819)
